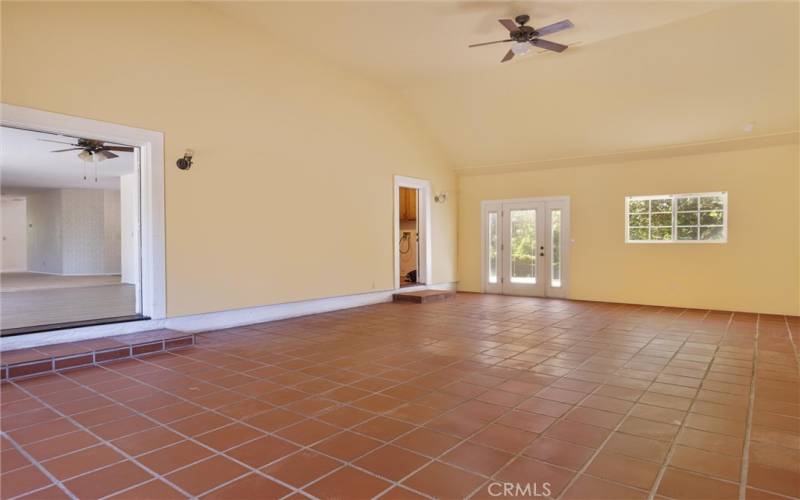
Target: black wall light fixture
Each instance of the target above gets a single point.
(185, 163)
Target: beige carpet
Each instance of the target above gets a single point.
(30, 299)
(17, 282)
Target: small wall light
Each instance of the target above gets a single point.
(440, 198)
(185, 163)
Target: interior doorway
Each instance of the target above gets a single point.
(409, 237)
(71, 224)
(412, 256)
(525, 246)
(94, 219)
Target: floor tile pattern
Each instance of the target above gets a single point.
(451, 399)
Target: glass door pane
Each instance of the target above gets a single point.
(523, 246)
(555, 248)
(493, 246)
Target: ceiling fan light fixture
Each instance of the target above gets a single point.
(520, 48)
(85, 155)
(104, 155)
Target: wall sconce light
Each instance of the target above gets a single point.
(440, 198)
(185, 163)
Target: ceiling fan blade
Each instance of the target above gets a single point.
(103, 155)
(126, 149)
(555, 27)
(509, 24)
(544, 44)
(57, 142)
(508, 56)
(489, 43)
(62, 150)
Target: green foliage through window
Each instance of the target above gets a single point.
(683, 217)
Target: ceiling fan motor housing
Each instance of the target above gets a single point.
(90, 145)
(523, 34)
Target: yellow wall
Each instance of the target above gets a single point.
(757, 270)
(295, 158)
(290, 196)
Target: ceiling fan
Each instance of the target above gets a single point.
(525, 36)
(91, 149)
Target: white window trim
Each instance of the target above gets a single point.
(151, 151)
(723, 240)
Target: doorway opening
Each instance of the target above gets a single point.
(87, 240)
(525, 246)
(412, 255)
(71, 254)
(409, 237)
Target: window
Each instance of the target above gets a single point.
(677, 218)
(555, 247)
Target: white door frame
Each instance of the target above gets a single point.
(562, 202)
(423, 188)
(151, 170)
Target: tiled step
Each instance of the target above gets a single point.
(55, 357)
(423, 296)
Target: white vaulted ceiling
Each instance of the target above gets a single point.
(639, 75)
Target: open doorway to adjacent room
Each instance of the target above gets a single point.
(409, 237)
(71, 232)
(412, 255)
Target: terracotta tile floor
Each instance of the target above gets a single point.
(434, 400)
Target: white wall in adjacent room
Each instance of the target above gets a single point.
(111, 232)
(74, 231)
(82, 213)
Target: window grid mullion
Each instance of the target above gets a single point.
(718, 198)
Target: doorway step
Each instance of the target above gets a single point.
(56, 357)
(423, 296)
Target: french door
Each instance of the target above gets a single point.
(525, 246)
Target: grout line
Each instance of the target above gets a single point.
(104, 441)
(39, 466)
(743, 475)
(216, 452)
(600, 448)
(573, 342)
(674, 442)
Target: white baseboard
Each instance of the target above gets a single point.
(213, 321)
